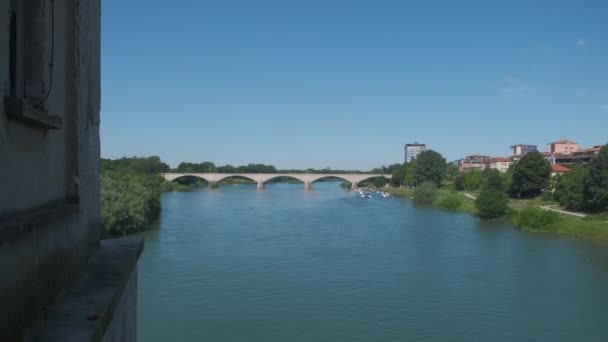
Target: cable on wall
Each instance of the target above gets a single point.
(51, 62)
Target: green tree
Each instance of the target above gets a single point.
(492, 202)
(398, 175)
(596, 185)
(472, 180)
(425, 193)
(429, 166)
(530, 176)
(570, 189)
(451, 172)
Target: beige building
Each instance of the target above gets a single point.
(563, 147)
(500, 164)
(50, 222)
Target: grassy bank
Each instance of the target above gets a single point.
(567, 225)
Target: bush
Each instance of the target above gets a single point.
(450, 202)
(425, 193)
(536, 219)
(491, 203)
(129, 201)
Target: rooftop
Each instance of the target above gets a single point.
(559, 168)
(563, 142)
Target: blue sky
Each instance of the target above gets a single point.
(346, 84)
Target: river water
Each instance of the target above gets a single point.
(285, 264)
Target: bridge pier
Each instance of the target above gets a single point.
(354, 186)
(307, 185)
(260, 185)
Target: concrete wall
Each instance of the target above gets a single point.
(124, 323)
(50, 219)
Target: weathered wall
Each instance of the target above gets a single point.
(124, 324)
(40, 255)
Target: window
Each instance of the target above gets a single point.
(31, 55)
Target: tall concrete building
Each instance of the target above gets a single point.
(413, 150)
(50, 219)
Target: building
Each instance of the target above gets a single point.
(520, 149)
(562, 147)
(500, 164)
(413, 150)
(50, 220)
(473, 162)
(582, 156)
(557, 169)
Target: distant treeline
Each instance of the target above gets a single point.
(210, 167)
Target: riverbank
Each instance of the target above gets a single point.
(568, 225)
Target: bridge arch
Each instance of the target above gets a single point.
(223, 177)
(280, 175)
(174, 177)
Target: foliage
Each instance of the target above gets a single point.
(532, 218)
(570, 189)
(130, 193)
(596, 184)
(129, 200)
(376, 182)
(398, 175)
(450, 202)
(429, 166)
(451, 172)
(149, 165)
(530, 176)
(425, 193)
(472, 180)
(493, 179)
(459, 182)
(492, 202)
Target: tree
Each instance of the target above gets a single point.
(472, 180)
(398, 175)
(492, 201)
(596, 185)
(425, 193)
(429, 166)
(452, 172)
(570, 189)
(530, 176)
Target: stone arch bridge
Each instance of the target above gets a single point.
(260, 178)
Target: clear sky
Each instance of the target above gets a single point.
(346, 84)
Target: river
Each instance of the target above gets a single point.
(285, 264)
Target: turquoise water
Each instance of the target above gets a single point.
(285, 264)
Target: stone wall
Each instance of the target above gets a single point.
(50, 221)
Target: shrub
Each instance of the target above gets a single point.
(532, 218)
(450, 202)
(491, 203)
(129, 201)
(425, 193)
